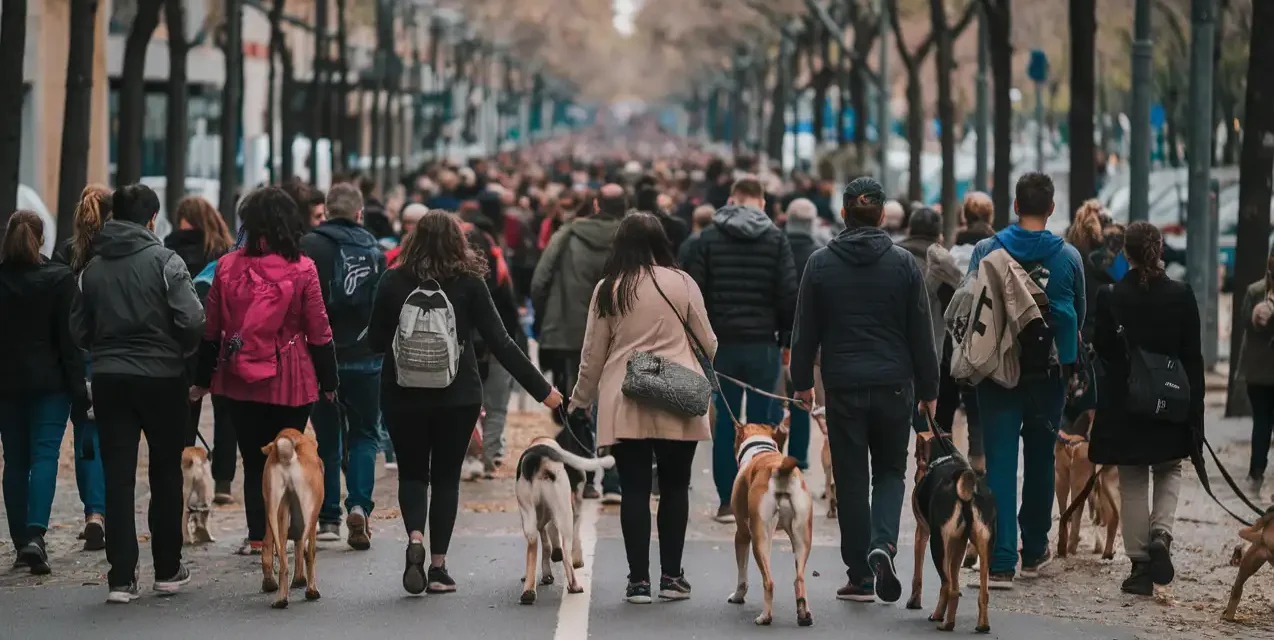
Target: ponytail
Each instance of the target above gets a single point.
(92, 211)
(1143, 244)
(23, 238)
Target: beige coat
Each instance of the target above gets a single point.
(650, 326)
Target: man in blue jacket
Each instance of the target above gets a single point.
(1033, 408)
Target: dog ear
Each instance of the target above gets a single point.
(268, 449)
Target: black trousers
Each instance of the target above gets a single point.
(256, 425)
(223, 438)
(632, 460)
(430, 449)
(126, 407)
(563, 365)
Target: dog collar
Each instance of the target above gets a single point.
(754, 445)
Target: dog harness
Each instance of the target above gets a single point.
(754, 445)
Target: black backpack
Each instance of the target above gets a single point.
(1158, 387)
(1037, 353)
(352, 290)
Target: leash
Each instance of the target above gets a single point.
(566, 426)
(201, 440)
(342, 418)
(753, 389)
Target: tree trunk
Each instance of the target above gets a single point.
(13, 42)
(231, 111)
(844, 80)
(1256, 169)
(1001, 54)
(77, 117)
(858, 98)
(341, 133)
(177, 130)
(287, 123)
(319, 98)
(915, 134)
(132, 94)
(946, 115)
(784, 71)
(272, 92)
(1083, 178)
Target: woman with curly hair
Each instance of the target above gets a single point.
(431, 427)
(268, 338)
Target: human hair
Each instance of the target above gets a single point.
(1143, 244)
(301, 194)
(802, 209)
(23, 238)
(135, 203)
(438, 250)
(747, 187)
(978, 207)
(1034, 194)
(91, 212)
(639, 246)
(344, 200)
(272, 222)
(863, 214)
(1085, 232)
(647, 199)
(701, 217)
(611, 206)
(925, 223)
(201, 215)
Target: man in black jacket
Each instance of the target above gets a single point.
(743, 265)
(350, 264)
(863, 304)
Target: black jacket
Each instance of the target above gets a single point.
(744, 266)
(1095, 279)
(1162, 319)
(188, 245)
(37, 351)
(320, 246)
(864, 304)
(676, 230)
(803, 246)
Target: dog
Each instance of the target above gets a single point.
(196, 492)
(953, 501)
(819, 415)
(550, 493)
(1261, 551)
(1072, 470)
(770, 488)
(293, 488)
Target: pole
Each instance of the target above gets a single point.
(1200, 224)
(982, 121)
(1139, 157)
(230, 111)
(882, 110)
(1039, 127)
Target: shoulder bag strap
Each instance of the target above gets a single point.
(697, 347)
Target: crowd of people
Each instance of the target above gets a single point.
(294, 318)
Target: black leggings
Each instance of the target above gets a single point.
(632, 460)
(430, 448)
(256, 425)
(223, 438)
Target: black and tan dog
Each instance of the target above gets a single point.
(954, 511)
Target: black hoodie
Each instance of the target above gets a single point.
(37, 352)
(863, 303)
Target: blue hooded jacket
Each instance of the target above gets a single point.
(1065, 289)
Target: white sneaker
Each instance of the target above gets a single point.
(612, 498)
(330, 532)
(123, 595)
(391, 466)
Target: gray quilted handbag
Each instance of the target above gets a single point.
(654, 381)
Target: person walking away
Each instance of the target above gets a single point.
(1148, 312)
(41, 380)
(431, 405)
(924, 231)
(743, 264)
(1257, 368)
(640, 305)
(801, 216)
(138, 316)
(268, 339)
(1032, 410)
(701, 218)
(863, 304)
(349, 264)
(977, 212)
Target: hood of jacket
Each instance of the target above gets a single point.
(918, 246)
(345, 231)
(24, 280)
(119, 239)
(595, 232)
(941, 268)
(1029, 246)
(861, 245)
(741, 222)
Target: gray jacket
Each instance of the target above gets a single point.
(565, 277)
(138, 313)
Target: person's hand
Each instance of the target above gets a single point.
(554, 400)
(805, 397)
(928, 408)
(1261, 314)
(197, 393)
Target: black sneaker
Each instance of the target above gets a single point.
(94, 534)
(1032, 569)
(1138, 582)
(888, 588)
(414, 575)
(440, 581)
(638, 592)
(591, 492)
(34, 555)
(857, 592)
(1160, 550)
(175, 583)
(222, 493)
(671, 588)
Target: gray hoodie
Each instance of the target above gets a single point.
(138, 313)
(565, 277)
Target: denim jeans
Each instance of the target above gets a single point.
(496, 390)
(757, 365)
(1007, 414)
(31, 430)
(360, 391)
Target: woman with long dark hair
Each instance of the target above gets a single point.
(639, 306)
(431, 425)
(1146, 311)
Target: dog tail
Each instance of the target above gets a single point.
(286, 449)
(584, 464)
(966, 485)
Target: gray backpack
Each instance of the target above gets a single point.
(426, 348)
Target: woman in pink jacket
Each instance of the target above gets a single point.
(267, 338)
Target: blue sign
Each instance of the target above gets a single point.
(1157, 116)
(1037, 68)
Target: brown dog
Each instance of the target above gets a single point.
(196, 493)
(819, 416)
(770, 491)
(293, 488)
(1261, 551)
(1072, 470)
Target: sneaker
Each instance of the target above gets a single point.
(1138, 582)
(391, 465)
(221, 493)
(1002, 581)
(360, 535)
(94, 534)
(1160, 550)
(1033, 569)
(725, 515)
(488, 470)
(612, 497)
(591, 493)
(671, 588)
(34, 555)
(175, 583)
(471, 469)
(638, 592)
(329, 532)
(124, 594)
(249, 548)
(414, 575)
(888, 588)
(440, 581)
(857, 592)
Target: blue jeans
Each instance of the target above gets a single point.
(360, 391)
(31, 430)
(1007, 414)
(757, 365)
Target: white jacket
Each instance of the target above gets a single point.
(986, 315)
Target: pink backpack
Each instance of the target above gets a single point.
(253, 310)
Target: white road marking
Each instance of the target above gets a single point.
(572, 616)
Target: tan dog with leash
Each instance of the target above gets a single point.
(293, 488)
(196, 495)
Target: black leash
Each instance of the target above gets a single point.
(566, 426)
(201, 440)
(342, 417)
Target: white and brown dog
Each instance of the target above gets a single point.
(293, 488)
(196, 493)
(550, 486)
(770, 491)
